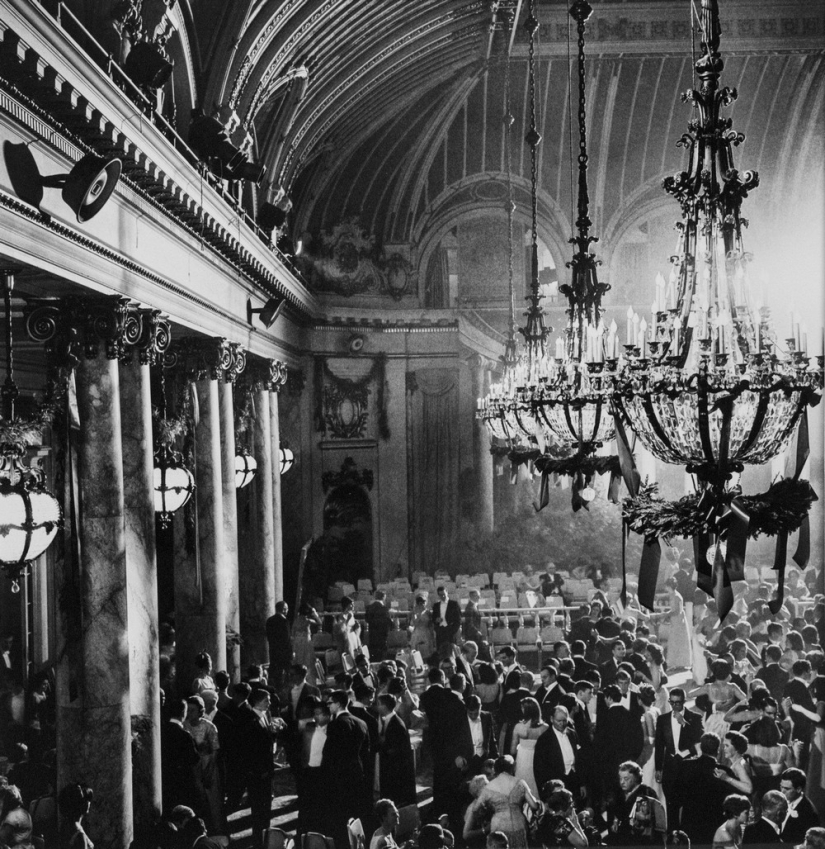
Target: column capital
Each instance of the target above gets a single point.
(271, 374)
(209, 358)
(479, 361)
(77, 326)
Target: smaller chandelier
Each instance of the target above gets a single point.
(245, 467)
(174, 484)
(29, 514)
(287, 459)
(507, 409)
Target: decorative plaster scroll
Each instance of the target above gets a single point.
(205, 358)
(269, 374)
(77, 325)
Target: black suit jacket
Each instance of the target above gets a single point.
(548, 700)
(618, 738)
(583, 666)
(346, 749)
(466, 748)
(775, 679)
(548, 762)
(448, 632)
(254, 740)
(665, 758)
(806, 817)
(178, 758)
(609, 671)
(702, 802)
(305, 701)
(279, 639)
(453, 722)
(761, 833)
(396, 765)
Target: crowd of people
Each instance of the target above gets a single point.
(717, 738)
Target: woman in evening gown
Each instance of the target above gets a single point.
(302, 638)
(505, 797)
(523, 745)
(679, 642)
(422, 638)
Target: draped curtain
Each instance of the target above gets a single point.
(433, 468)
(437, 288)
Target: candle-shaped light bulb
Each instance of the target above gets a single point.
(653, 319)
(643, 334)
(559, 348)
(660, 291)
(635, 334)
(629, 326)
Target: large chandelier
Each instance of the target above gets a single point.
(507, 410)
(572, 394)
(29, 514)
(708, 383)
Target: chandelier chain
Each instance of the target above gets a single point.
(532, 136)
(583, 221)
(508, 153)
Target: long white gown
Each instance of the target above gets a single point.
(524, 764)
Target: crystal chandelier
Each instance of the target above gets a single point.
(507, 410)
(572, 394)
(709, 384)
(30, 515)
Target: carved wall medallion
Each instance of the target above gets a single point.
(346, 409)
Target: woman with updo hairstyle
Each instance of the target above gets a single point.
(203, 680)
(509, 711)
(488, 687)
(422, 635)
(73, 803)
(794, 650)
(723, 695)
(735, 755)
(523, 746)
(679, 641)
(736, 809)
(505, 797)
(476, 817)
(647, 697)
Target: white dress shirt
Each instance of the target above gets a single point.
(477, 733)
(567, 753)
(316, 745)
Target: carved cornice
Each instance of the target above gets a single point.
(267, 374)
(78, 326)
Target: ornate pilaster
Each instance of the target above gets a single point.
(261, 581)
(93, 694)
(226, 391)
(141, 561)
(280, 374)
(201, 571)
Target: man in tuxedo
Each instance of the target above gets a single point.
(380, 623)
(343, 766)
(395, 774)
(610, 669)
(549, 693)
(766, 831)
(446, 619)
(555, 755)
(677, 737)
(477, 737)
(363, 672)
(472, 619)
(797, 691)
(584, 727)
(309, 780)
(466, 662)
(362, 706)
(704, 793)
(616, 740)
(255, 735)
(300, 697)
(178, 758)
(506, 656)
(636, 816)
(801, 813)
(774, 676)
(448, 760)
(280, 645)
(583, 666)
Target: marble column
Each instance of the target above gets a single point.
(230, 523)
(142, 588)
(277, 511)
(482, 459)
(94, 728)
(257, 578)
(200, 581)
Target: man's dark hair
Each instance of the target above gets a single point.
(320, 704)
(551, 670)
(222, 679)
(435, 675)
(388, 701)
(340, 698)
(279, 606)
(242, 689)
(473, 702)
(795, 776)
(594, 677)
(773, 654)
(801, 667)
(578, 647)
(177, 708)
(299, 669)
(612, 692)
(617, 642)
(578, 686)
(257, 696)
(344, 680)
(458, 682)
(709, 744)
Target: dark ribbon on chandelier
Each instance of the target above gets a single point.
(632, 480)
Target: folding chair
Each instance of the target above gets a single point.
(277, 838)
(316, 840)
(355, 832)
(409, 819)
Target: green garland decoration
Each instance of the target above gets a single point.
(23, 431)
(779, 510)
(584, 464)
